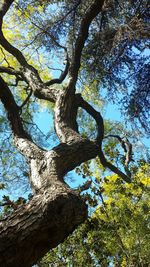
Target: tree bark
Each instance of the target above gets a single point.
(40, 225)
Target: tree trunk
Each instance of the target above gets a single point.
(54, 211)
(40, 225)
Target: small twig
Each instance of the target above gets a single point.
(55, 69)
(63, 74)
(5, 59)
(26, 100)
(85, 186)
(127, 147)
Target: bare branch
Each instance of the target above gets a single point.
(4, 6)
(95, 114)
(126, 145)
(113, 168)
(91, 13)
(100, 125)
(10, 71)
(63, 74)
(26, 100)
(12, 50)
(22, 139)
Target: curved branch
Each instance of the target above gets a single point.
(4, 6)
(13, 50)
(63, 74)
(12, 109)
(29, 73)
(3, 41)
(126, 145)
(26, 100)
(91, 13)
(112, 167)
(100, 125)
(95, 114)
(22, 139)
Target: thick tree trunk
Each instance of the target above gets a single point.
(54, 211)
(40, 225)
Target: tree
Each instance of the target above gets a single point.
(55, 210)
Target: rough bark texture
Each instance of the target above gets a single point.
(42, 224)
(55, 210)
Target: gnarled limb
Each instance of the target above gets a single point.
(54, 211)
(100, 125)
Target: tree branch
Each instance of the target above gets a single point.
(4, 6)
(26, 100)
(112, 167)
(22, 139)
(63, 74)
(12, 50)
(91, 13)
(30, 74)
(100, 125)
(10, 71)
(95, 114)
(126, 145)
